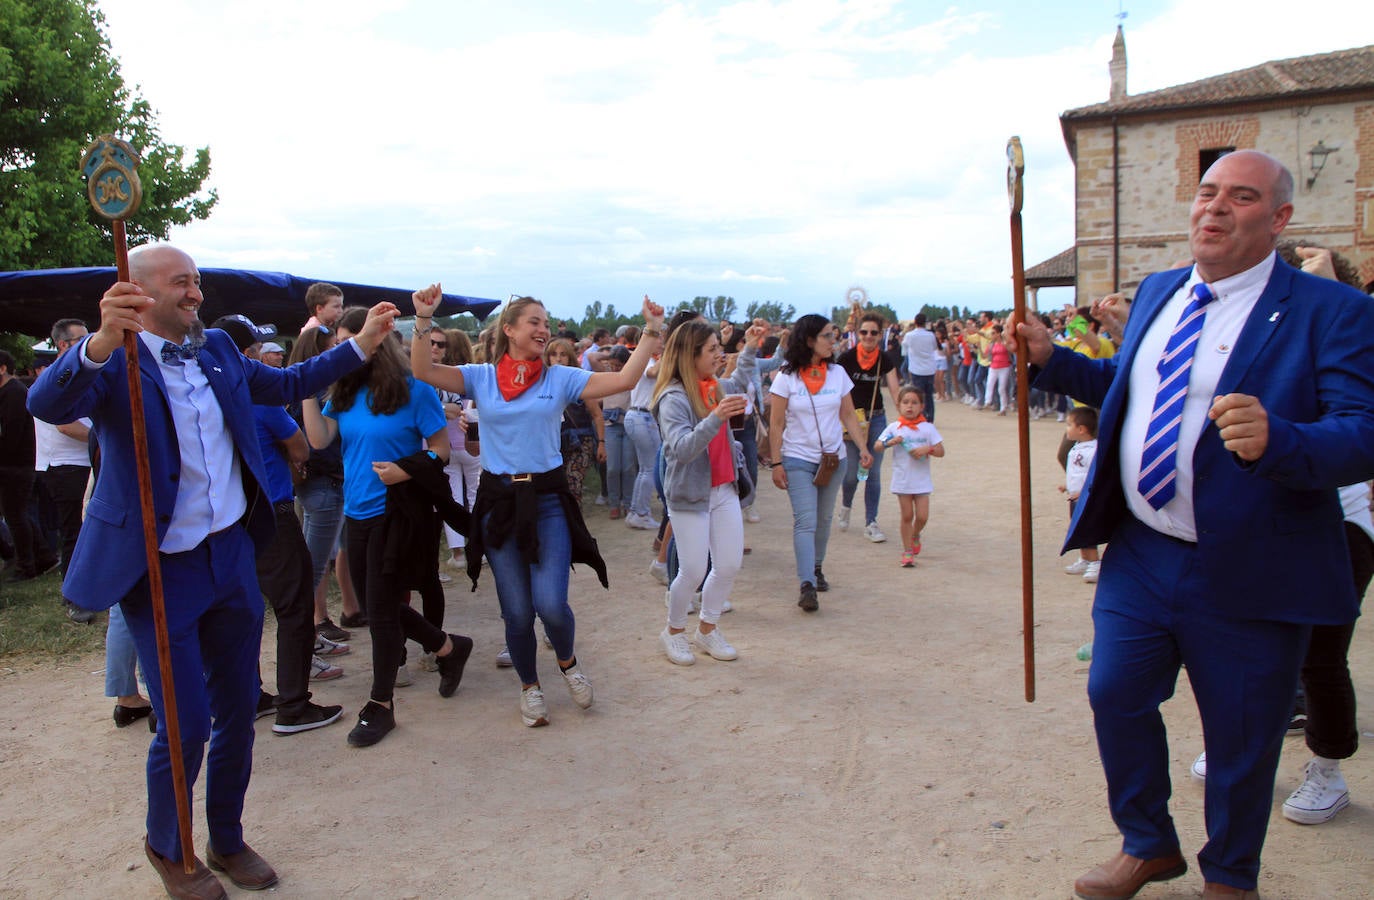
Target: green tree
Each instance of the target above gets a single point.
(60, 87)
(770, 310)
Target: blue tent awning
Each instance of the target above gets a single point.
(30, 302)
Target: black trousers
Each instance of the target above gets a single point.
(1330, 695)
(30, 553)
(67, 487)
(390, 620)
(288, 583)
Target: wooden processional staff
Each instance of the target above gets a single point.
(112, 184)
(1016, 167)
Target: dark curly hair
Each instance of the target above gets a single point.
(799, 352)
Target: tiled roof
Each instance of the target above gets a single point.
(1343, 70)
(1060, 270)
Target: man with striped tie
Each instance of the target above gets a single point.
(1243, 396)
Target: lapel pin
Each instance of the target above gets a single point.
(1274, 318)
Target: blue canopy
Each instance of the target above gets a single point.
(30, 302)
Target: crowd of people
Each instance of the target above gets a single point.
(394, 466)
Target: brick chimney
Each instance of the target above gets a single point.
(1118, 66)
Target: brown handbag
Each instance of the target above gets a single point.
(829, 461)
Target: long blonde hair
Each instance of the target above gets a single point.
(509, 316)
(679, 363)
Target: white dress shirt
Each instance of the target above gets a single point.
(1226, 315)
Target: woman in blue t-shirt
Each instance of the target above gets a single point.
(526, 520)
(382, 414)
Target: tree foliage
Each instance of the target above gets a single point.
(60, 87)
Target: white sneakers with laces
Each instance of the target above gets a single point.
(715, 644)
(579, 686)
(533, 711)
(874, 533)
(843, 518)
(1090, 573)
(1077, 567)
(676, 648)
(1321, 795)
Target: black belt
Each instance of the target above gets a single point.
(640, 409)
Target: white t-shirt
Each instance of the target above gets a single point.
(919, 347)
(1080, 460)
(800, 437)
(1354, 505)
(53, 448)
(909, 474)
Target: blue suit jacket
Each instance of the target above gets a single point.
(1269, 533)
(110, 558)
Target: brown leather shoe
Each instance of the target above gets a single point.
(1123, 876)
(1215, 890)
(245, 868)
(199, 885)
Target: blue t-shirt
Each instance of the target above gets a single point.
(522, 435)
(275, 426)
(368, 438)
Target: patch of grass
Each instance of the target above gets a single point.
(33, 622)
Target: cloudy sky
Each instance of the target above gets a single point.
(597, 150)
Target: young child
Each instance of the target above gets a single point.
(911, 470)
(1082, 430)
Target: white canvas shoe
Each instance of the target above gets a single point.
(843, 518)
(675, 646)
(715, 644)
(1321, 795)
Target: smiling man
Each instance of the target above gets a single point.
(1242, 398)
(210, 511)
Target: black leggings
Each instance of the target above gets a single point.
(390, 620)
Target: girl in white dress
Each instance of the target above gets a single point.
(911, 470)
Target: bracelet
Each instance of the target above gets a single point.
(418, 316)
(421, 332)
(652, 332)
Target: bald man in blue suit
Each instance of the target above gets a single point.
(1228, 574)
(207, 468)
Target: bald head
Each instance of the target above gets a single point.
(170, 277)
(1242, 205)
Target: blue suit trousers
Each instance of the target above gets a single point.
(1153, 613)
(214, 622)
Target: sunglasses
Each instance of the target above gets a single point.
(434, 343)
(869, 333)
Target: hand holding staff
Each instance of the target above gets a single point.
(110, 166)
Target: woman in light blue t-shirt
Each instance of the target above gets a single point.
(382, 415)
(526, 520)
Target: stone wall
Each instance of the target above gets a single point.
(1159, 165)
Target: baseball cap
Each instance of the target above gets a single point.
(273, 347)
(243, 332)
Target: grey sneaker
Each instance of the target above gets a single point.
(533, 712)
(715, 644)
(874, 533)
(403, 676)
(843, 518)
(503, 660)
(578, 686)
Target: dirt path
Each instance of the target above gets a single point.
(880, 748)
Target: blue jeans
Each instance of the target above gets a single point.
(321, 500)
(873, 488)
(926, 385)
(620, 461)
(525, 590)
(121, 656)
(642, 431)
(748, 438)
(812, 508)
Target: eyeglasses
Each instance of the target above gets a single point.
(434, 343)
(869, 333)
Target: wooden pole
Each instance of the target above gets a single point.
(1016, 167)
(114, 190)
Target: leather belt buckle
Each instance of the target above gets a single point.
(522, 478)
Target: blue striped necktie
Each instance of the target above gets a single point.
(1159, 461)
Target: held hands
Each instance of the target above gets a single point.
(381, 321)
(730, 405)
(426, 300)
(1039, 346)
(390, 473)
(1243, 425)
(121, 310)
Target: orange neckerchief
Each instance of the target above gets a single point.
(515, 376)
(813, 376)
(867, 358)
(710, 392)
(911, 423)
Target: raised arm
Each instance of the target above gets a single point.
(603, 384)
(448, 378)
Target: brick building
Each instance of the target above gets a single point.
(1138, 160)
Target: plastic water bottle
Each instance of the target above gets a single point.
(1085, 652)
(863, 474)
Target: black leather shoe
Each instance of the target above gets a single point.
(124, 716)
(451, 666)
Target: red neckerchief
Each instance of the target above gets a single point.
(813, 376)
(867, 358)
(710, 392)
(515, 376)
(911, 423)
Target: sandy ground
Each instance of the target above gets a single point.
(880, 748)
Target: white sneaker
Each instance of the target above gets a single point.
(323, 671)
(1059, 417)
(1199, 767)
(1090, 573)
(752, 514)
(715, 644)
(601, 501)
(1077, 567)
(503, 660)
(427, 663)
(403, 676)
(659, 572)
(325, 647)
(643, 523)
(874, 533)
(533, 712)
(1321, 795)
(445, 578)
(579, 686)
(675, 646)
(843, 518)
